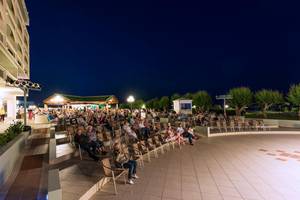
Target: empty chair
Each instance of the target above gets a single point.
(144, 149)
(255, 125)
(239, 125)
(219, 126)
(152, 147)
(232, 125)
(262, 125)
(247, 125)
(158, 144)
(224, 123)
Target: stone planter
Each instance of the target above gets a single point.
(9, 155)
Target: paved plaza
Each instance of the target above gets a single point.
(250, 167)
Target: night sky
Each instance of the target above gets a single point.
(155, 48)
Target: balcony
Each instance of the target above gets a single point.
(7, 58)
(24, 12)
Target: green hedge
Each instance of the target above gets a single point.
(13, 131)
(274, 115)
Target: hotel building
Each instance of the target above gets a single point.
(14, 51)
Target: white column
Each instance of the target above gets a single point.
(11, 107)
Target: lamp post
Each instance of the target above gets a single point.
(224, 98)
(131, 100)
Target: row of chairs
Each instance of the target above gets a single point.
(233, 125)
(139, 151)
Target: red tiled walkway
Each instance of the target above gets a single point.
(28, 184)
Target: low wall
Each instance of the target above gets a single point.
(52, 151)
(9, 154)
(255, 133)
(202, 130)
(282, 123)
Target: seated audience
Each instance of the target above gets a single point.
(83, 141)
(122, 161)
(129, 131)
(96, 144)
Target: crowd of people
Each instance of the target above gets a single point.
(107, 133)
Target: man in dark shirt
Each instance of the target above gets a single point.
(83, 141)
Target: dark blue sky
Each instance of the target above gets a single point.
(155, 48)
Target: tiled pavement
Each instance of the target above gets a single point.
(228, 168)
(30, 182)
(78, 177)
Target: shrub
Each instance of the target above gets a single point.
(10, 133)
(294, 96)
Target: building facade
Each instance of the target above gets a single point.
(14, 52)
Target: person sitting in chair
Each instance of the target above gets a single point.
(129, 131)
(83, 140)
(122, 161)
(96, 144)
(179, 135)
(170, 134)
(189, 133)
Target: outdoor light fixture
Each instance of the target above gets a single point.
(25, 85)
(143, 106)
(57, 99)
(130, 100)
(224, 98)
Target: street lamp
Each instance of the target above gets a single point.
(224, 98)
(131, 100)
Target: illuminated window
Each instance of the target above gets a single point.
(186, 106)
